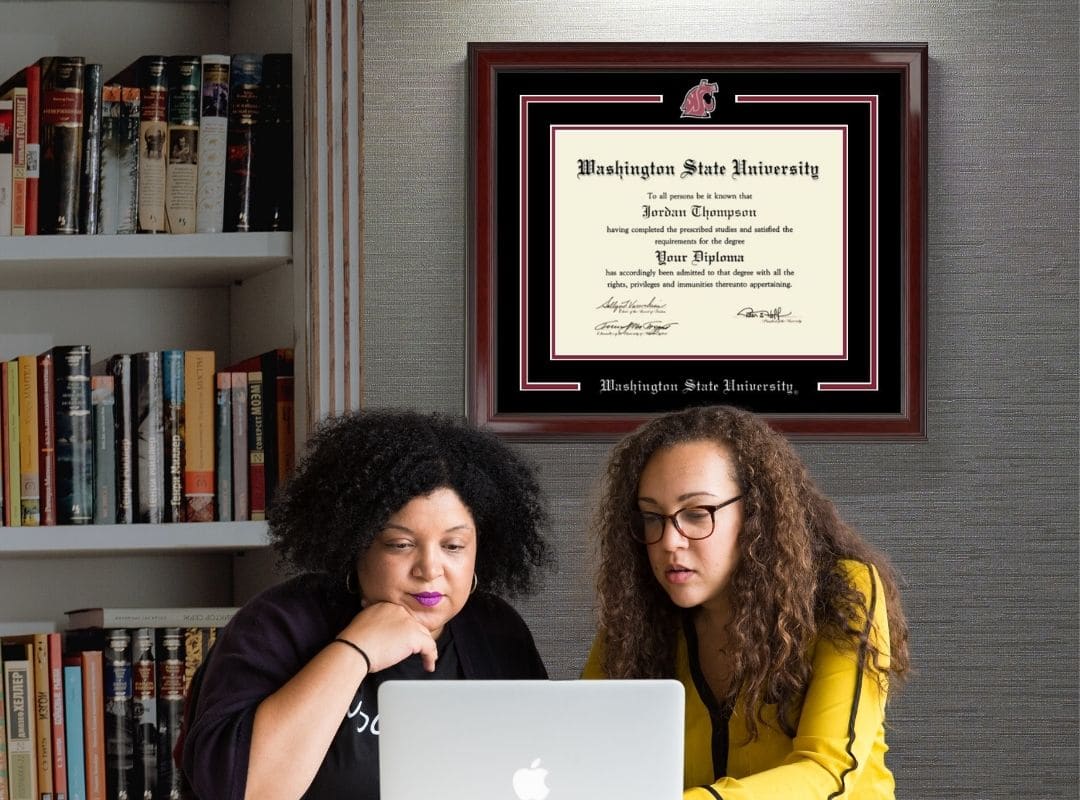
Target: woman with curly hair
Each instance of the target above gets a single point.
(406, 528)
(724, 566)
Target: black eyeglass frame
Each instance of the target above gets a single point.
(638, 531)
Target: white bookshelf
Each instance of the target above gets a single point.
(66, 541)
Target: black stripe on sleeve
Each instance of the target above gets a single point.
(713, 792)
(863, 646)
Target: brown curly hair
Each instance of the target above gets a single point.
(786, 590)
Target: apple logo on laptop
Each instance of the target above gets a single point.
(529, 782)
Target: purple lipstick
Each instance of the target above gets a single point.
(428, 599)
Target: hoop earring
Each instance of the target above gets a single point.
(350, 582)
(475, 583)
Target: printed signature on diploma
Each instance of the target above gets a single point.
(777, 313)
(633, 306)
(615, 327)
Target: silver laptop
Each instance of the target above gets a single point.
(531, 740)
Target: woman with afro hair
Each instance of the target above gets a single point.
(406, 529)
(722, 565)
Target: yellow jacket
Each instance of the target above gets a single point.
(839, 747)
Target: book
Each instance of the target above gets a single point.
(172, 384)
(127, 189)
(93, 692)
(47, 438)
(197, 642)
(272, 182)
(244, 82)
(199, 481)
(73, 728)
(43, 756)
(121, 367)
(213, 136)
(103, 404)
(170, 710)
(256, 448)
(61, 143)
(144, 712)
(223, 442)
(109, 166)
(74, 435)
(29, 457)
(160, 617)
(9, 421)
(4, 786)
(119, 717)
(150, 447)
(153, 136)
(7, 164)
(90, 183)
(241, 503)
(15, 90)
(57, 724)
(18, 658)
(182, 171)
(278, 412)
(32, 75)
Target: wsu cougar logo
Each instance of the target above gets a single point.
(700, 101)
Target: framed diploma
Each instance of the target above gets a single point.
(655, 226)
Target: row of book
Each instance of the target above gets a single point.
(171, 144)
(95, 713)
(147, 437)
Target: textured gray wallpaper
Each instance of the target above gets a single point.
(981, 520)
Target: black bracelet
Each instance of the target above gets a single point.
(358, 650)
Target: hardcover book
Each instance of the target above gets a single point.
(90, 185)
(199, 436)
(4, 794)
(182, 172)
(57, 724)
(121, 367)
(213, 136)
(170, 708)
(150, 449)
(74, 435)
(61, 143)
(33, 147)
(241, 506)
(103, 402)
(15, 90)
(18, 658)
(256, 448)
(246, 77)
(144, 707)
(223, 440)
(119, 718)
(273, 146)
(172, 372)
(47, 438)
(7, 155)
(164, 617)
(109, 168)
(29, 456)
(9, 419)
(43, 754)
(128, 186)
(153, 137)
(93, 688)
(73, 729)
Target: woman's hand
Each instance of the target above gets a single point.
(389, 633)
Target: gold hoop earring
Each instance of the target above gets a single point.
(350, 582)
(475, 583)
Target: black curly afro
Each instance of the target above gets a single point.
(362, 467)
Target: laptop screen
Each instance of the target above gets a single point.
(531, 740)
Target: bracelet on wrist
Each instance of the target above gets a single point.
(358, 649)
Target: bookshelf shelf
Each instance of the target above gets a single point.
(139, 261)
(78, 541)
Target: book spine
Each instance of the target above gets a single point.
(5, 794)
(127, 187)
(42, 717)
(144, 705)
(213, 138)
(73, 730)
(10, 390)
(153, 135)
(102, 398)
(29, 456)
(5, 446)
(256, 448)
(172, 381)
(47, 438)
(223, 439)
(245, 79)
(90, 185)
(33, 147)
(196, 644)
(170, 677)
(119, 721)
(92, 619)
(109, 169)
(7, 164)
(57, 725)
(61, 143)
(20, 108)
(182, 172)
(199, 436)
(150, 447)
(20, 722)
(241, 507)
(74, 435)
(93, 688)
(122, 369)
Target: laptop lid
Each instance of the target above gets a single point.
(531, 740)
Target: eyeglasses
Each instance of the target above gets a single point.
(693, 522)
